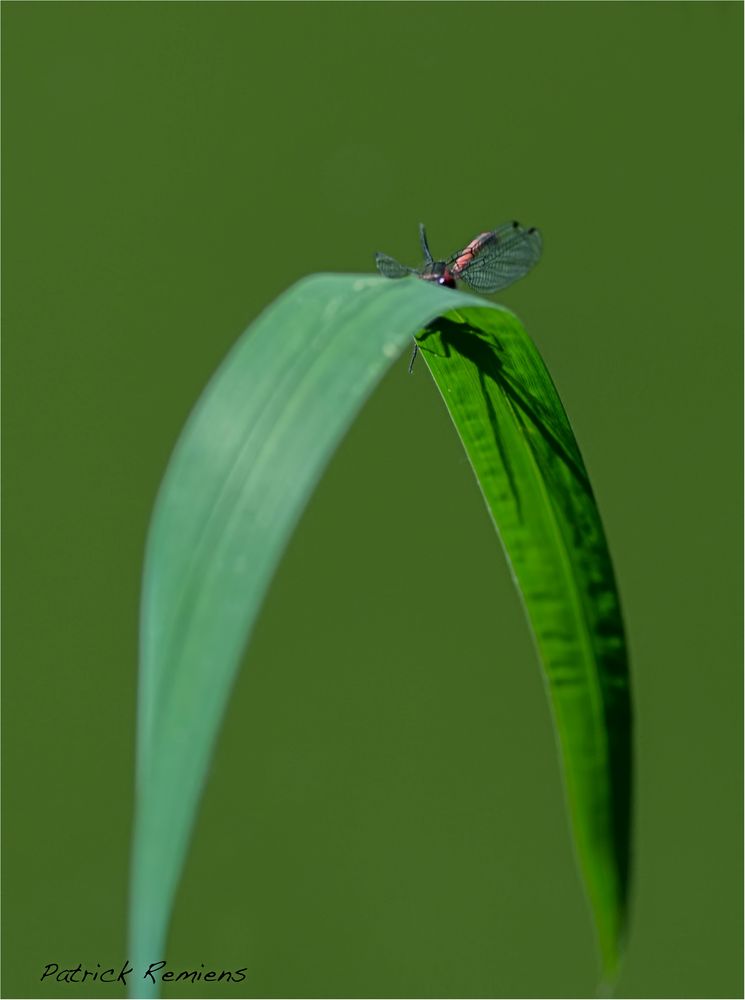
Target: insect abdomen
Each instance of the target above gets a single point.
(468, 253)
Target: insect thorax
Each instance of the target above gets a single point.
(438, 272)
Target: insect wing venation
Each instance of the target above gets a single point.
(390, 268)
(494, 260)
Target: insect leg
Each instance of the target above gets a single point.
(413, 358)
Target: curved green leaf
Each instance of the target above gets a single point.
(517, 436)
(241, 474)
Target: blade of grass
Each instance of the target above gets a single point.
(519, 442)
(242, 471)
(246, 464)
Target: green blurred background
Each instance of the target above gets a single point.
(384, 815)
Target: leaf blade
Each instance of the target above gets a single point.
(240, 475)
(520, 444)
(245, 465)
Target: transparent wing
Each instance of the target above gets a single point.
(391, 268)
(425, 245)
(501, 257)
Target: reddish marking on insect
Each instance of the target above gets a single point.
(446, 278)
(468, 253)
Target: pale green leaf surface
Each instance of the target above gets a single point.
(241, 474)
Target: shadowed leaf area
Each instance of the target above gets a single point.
(525, 457)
